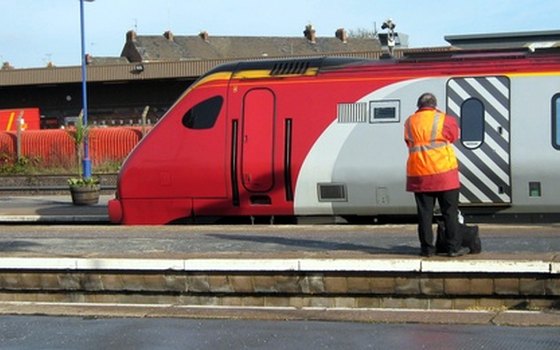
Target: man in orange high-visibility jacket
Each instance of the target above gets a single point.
(432, 172)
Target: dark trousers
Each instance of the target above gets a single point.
(448, 203)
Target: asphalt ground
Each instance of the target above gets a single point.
(40, 332)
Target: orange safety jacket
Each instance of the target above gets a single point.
(432, 165)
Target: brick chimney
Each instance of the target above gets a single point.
(203, 35)
(6, 65)
(309, 33)
(130, 36)
(168, 35)
(341, 35)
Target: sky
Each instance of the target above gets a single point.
(36, 32)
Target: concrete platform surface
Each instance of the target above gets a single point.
(51, 209)
(531, 248)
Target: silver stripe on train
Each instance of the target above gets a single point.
(484, 164)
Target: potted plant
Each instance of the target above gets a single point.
(84, 191)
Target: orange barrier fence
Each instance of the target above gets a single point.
(56, 147)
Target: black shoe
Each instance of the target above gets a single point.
(427, 253)
(462, 251)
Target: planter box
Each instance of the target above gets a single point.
(85, 195)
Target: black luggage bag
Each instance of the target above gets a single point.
(471, 238)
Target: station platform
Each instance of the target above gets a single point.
(51, 209)
(511, 248)
(49, 252)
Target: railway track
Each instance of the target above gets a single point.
(48, 184)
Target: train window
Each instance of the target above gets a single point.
(556, 121)
(472, 123)
(384, 111)
(204, 114)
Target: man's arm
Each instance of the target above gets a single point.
(450, 129)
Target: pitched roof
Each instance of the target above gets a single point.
(530, 39)
(168, 47)
(106, 61)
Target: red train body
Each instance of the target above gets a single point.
(322, 136)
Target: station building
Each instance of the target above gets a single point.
(153, 71)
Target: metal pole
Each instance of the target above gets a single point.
(19, 122)
(86, 162)
(144, 115)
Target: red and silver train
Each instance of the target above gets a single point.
(324, 136)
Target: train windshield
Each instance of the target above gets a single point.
(204, 114)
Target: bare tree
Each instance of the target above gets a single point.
(362, 33)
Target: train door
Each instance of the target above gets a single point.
(257, 141)
(482, 106)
